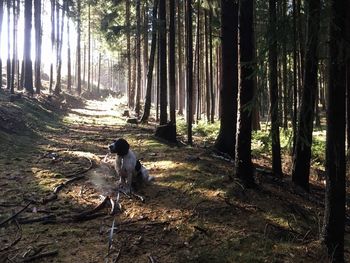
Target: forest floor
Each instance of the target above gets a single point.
(192, 212)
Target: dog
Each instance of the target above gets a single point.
(130, 170)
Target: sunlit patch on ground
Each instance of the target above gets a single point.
(192, 212)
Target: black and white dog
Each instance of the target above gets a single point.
(132, 173)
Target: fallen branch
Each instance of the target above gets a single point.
(54, 195)
(15, 215)
(83, 171)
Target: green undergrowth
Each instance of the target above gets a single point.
(261, 139)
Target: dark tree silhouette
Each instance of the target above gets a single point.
(273, 75)
(334, 216)
(147, 106)
(28, 68)
(226, 139)
(163, 94)
(1, 17)
(243, 160)
(302, 152)
(189, 70)
(38, 42)
(78, 47)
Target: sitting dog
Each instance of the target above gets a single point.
(132, 173)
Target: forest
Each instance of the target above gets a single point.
(235, 116)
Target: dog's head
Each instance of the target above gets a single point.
(120, 147)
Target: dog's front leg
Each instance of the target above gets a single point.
(129, 183)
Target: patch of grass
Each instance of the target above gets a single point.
(202, 128)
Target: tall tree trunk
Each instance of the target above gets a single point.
(163, 64)
(206, 47)
(99, 73)
(59, 47)
(89, 50)
(302, 153)
(285, 66)
(1, 17)
(147, 106)
(334, 216)
(8, 62)
(189, 70)
(226, 140)
(180, 81)
(172, 79)
(128, 47)
(52, 42)
(275, 135)
(14, 49)
(79, 48)
(28, 69)
(295, 75)
(38, 41)
(211, 84)
(145, 45)
(69, 62)
(138, 58)
(243, 160)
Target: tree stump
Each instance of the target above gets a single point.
(167, 132)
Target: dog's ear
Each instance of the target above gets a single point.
(122, 147)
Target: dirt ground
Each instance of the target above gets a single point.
(192, 212)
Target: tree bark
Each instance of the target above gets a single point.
(28, 68)
(163, 96)
(302, 153)
(226, 140)
(172, 80)
(8, 61)
(243, 160)
(273, 83)
(148, 99)
(38, 42)
(334, 216)
(1, 18)
(79, 48)
(52, 42)
(138, 58)
(189, 70)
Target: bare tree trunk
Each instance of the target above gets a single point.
(8, 62)
(52, 42)
(243, 161)
(69, 62)
(138, 58)
(147, 106)
(172, 80)
(28, 69)
(1, 18)
(226, 140)
(180, 81)
(302, 153)
(273, 81)
(89, 50)
(78, 71)
(99, 73)
(189, 68)
(59, 48)
(128, 47)
(163, 64)
(38, 41)
(335, 202)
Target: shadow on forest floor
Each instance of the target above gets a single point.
(192, 212)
